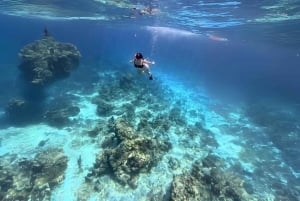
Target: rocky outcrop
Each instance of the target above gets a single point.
(48, 60)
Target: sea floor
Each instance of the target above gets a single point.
(199, 126)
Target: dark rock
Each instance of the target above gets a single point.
(211, 161)
(21, 111)
(60, 116)
(104, 108)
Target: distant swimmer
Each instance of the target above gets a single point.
(217, 38)
(46, 32)
(142, 64)
(149, 11)
(146, 10)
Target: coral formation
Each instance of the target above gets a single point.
(104, 108)
(47, 60)
(207, 182)
(60, 116)
(42, 63)
(27, 179)
(131, 155)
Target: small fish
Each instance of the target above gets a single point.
(79, 163)
(43, 142)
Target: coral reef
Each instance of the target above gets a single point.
(103, 108)
(130, 155)
(6, 178)
(26, 179)
(47, 60)
(133, 93)
(59, 116)
(207, 182)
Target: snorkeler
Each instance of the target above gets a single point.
(46, 32)
(142, 64)
(146, 11)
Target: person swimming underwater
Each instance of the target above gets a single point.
(142, 64)
(46, 32)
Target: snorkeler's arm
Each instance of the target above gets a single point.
(148, 62)
(131, 61)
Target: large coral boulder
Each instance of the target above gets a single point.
(47, 60)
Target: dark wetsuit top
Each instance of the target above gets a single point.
(138, 66)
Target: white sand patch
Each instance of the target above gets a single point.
(75, 176)
(24, 141)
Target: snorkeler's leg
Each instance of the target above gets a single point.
(147, 69)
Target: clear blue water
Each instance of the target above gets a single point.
(234, 66)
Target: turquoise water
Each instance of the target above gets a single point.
(225, 93)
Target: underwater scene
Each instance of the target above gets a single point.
(148, 100)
